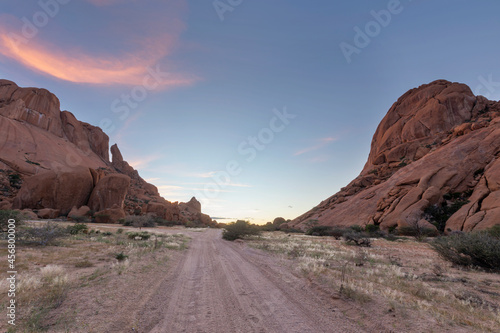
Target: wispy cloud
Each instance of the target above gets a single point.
(321, 143)
(143, 161)
(145, 49)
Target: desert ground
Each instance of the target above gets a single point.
(191, 280)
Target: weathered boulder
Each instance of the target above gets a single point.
(110, 215)
(54, 190)
(48, 213)
(165, 210)
(110, 190)
(79, 212)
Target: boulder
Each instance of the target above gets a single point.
(164, 210)
(110, 190)
(60, 191)
(48, 213)
(28, 214)
(79, 212)
(110, 215)
(5, 205)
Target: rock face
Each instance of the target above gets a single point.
(54, 164)
(436, 150)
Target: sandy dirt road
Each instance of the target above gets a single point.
(220, 286)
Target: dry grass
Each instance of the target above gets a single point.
(46, 275)
(404, 275)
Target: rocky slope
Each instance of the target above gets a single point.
(435, 157)
(53, 164)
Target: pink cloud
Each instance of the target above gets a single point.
(149, 46)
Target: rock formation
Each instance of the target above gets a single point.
(54, 164)
(436, 153)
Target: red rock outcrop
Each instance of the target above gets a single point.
(438, 146)
(191, 211)
(53, 190)
(52, 163)
(109, 191)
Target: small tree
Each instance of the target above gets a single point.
(239, 229)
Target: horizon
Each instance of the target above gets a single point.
(258, 110)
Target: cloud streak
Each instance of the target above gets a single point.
(319, 145)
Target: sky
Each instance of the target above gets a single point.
(258, 108)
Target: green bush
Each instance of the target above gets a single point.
(418, 232)
(372, 228)
(120, 256)
(6, 215)
(494, 231)
(119, 231)
(327, 231)
(239, 229)
(357, 228)
(470, 249)
(78, 228)
(142, 235)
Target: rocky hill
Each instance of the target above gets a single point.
(53, 164)
(434, 161)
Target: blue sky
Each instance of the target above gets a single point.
(187, 88)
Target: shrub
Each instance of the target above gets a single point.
(319, 230)
(418, 232)
(119, 231)
(143, 221)
(372, 228)
(44, 235)
(78, 219)
(77, 228)
(120, 256)
(6, 215)
(141, 235)
(494, 231)
(357, 238)
(357, 228)
(327, 231)
(239, 229)
(470, 249)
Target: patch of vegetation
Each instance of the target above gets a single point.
(45, 235)
(121, 256)
(494, 231)
(144, 235)
(15, 180)
(6, 215)
(239, 229)
(84, 264)
(119, 231)
(420, 233)
(77, 229)
(79, 219)
(440, 213)
(143, 221)
(357, 238)
(478, 249)
(326, 231)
